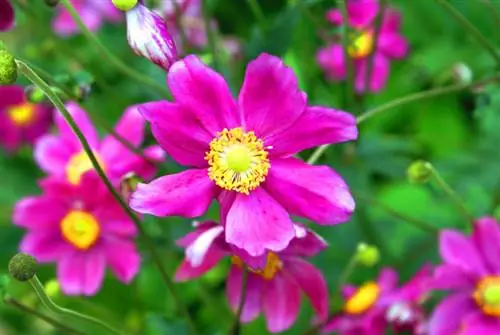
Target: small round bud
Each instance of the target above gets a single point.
(419, 172)
(52, 288)
(367, 255)
(34, 94)
(8, 67)
(52, 3)
(22, 267)
(124, 5)
(461, 73)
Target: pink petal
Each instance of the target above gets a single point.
(64, 24)
(486, 237)
(306, 246)
(316, 126)
(28, 213)
(81, 273)
(331, 60)
(188, 271)
(52, 154)
(270, 99)
(281, 302)
(391, 22)
(6, 15)
(45, 245)
(254, 293)
(393, 45)
(191, 237)
(11, 95)
(451, 277)
(458, 250)
(257, 223)
(314, 192)
(123, 258)
(449, 314)
(334, 16)
(186, 194)
(196, 251)
(203, 91)
(361, 13)
(480, 324)
(388, 279)
(379, 75)
(83, 121)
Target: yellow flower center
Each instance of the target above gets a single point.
(238, 161)
(22, 114)
(80, 229)
(364, 298)
(361, 45)
(487, 295)
(78, 165)
(273, 265)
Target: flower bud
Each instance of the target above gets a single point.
(22, 267)
(52, 288)
(124, 5)
(419, 172)
(148, 36)
(34, 94)
(52, 3)
(367, 255)
(8, 67)
(461, 73)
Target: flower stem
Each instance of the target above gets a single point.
(243, 296)
(54, 308)
(211, 36)
(37, 81)
(112, 59)
(350, 91)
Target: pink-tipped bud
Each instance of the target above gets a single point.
(148, 36)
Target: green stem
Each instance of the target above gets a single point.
(493, 10)
(35, 79)
(54, 308)
(112, 59)
(257, 12)
(243, 296)
(350, 92)
(212, 38)
(470, 28)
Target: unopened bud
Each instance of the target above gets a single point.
(52, 3)
(52, 288)
(82, 91)
(419, 172)
(367, 255)
(462, 74)
(23, 267)
(128, 185)
(124, 5)
(34, 94)
(8, 67)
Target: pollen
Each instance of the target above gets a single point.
(238, 160)
(364, 298)
(273, 266)
(487, 295)
(80, 229)
(78, 165)
(361, 45)
(22, 114)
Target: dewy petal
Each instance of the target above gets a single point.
(83, 122)
(52, 154)
(6, 15)
(205, 93)
(148, 36)
(196, 252)
(39, 213)
(314, 192)
(316, 126)
(256, 223)
(486, 237)
(451, 277)
(331, 60)
(449, 314)
(187, 194)
(458, 250)
(254, 293)
(81, 273)
(123, 258)
(270, 100)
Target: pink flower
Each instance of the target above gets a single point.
(21, 122)
(6, 15)
(390, 44)
(62, 155)
(275, 281)
(92, 12)
(82, 229)
(471, 271)
(241, 153)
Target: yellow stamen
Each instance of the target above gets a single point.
(80, 229)
(362, 45)
(364, 298)
(238, 161)
(487, 295)
(22, 114)
(273, 265)
(78, 165)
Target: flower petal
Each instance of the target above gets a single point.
(83, 122)
(52, 154)
(123, 258)
(451, 277)
(45, 245)
(188, 271)
(187, 194)
(306, 246)
(387, 279)
(458, 250)
(6, 15)
(314, 192)
(11, 95)
(197, 251)
(254, 293)
(81, 273)
(334, 16)
(379, 75)
(39, 213)
(200, 228)
(361, 13)
(256, 223)
(331, 60)
(449, 314)
(486, 237)
(393, 45)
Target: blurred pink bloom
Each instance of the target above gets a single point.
(275, 280)
(92, 12)
(21, 122)
(390, 44)
(62, 154)
(241, 151)
(82, 229)
(471, 271)
(6, 15)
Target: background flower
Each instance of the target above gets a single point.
(6, 15)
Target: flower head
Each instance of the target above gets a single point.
(62, 154)
(6, 15)
(390, 44)
(82, 229)
(241, 154)
(21, 122)
(275, 280)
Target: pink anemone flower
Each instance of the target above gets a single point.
(241, 153)
(62, 155)
(389, 45)
(6, 15)
(21, 122)
(471, 271)
(82, 229)
(275, 281)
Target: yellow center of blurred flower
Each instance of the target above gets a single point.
(362, 45)
(487, 295)
(78, 165)
(22, 114)
(238, 161)
(80, 229)
(364, 298)
(273, 265)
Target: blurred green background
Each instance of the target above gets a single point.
(458, 133)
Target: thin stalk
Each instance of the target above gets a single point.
(36, 80)
(180, 27)
(470, 28)
(243, 296)
(212, 38)
(493, 10)
(112, 59)
(258, 13)
(347, 57)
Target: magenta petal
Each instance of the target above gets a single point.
(191, 237)
(387, 279)
(449, 314)
(11, 95)
(312, 282)
(334, 16)
(316, 126)
(196, 251)
(379, 75)
(254, 293)
(391, 22)
(6, 15)
(270, 99)
(361, 13)
(486, 237)
(331, 60)
(393, 45)
(256, 222)
(314, 192)
(197, 87)
(187, 271)
(45, 245)
(81, 273)
(480, 324)
(458, 250)
(27, 213)
(52, 154)
(123, 258)
(306, 246)
(187, 194)
(450, 277)
(83, 121)
(281, 302)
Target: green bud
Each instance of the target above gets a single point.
(367, 255)
(34, 94)
(462, 74)
(52, 3)
(8, 67)
(419, 172)
(52, 288)
(124, 5)
(23, 267)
